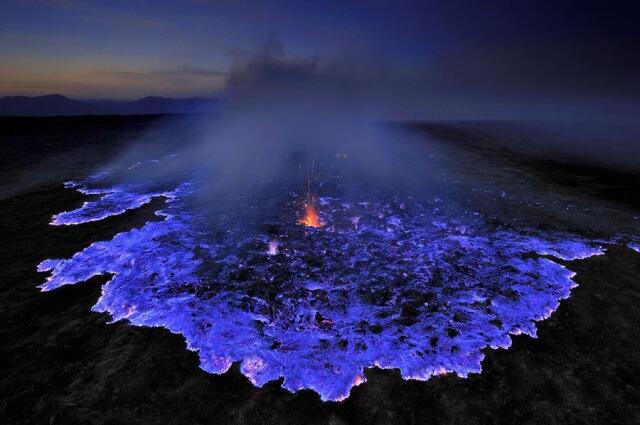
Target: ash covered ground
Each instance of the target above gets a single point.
(415, 284)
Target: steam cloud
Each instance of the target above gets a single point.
(283, 120)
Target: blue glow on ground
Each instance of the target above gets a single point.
(388, 283)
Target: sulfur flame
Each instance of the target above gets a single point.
(311, 217)
(273, 247)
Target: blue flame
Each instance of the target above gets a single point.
(384, 283)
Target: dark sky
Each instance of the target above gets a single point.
(457, 57)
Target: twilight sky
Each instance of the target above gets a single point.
(459, 57)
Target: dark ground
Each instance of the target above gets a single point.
(62, 364)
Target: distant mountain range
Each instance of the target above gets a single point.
(56, 104)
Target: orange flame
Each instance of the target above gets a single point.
(311, 217)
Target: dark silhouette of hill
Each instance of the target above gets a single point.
(56, 104)
(53, 104)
